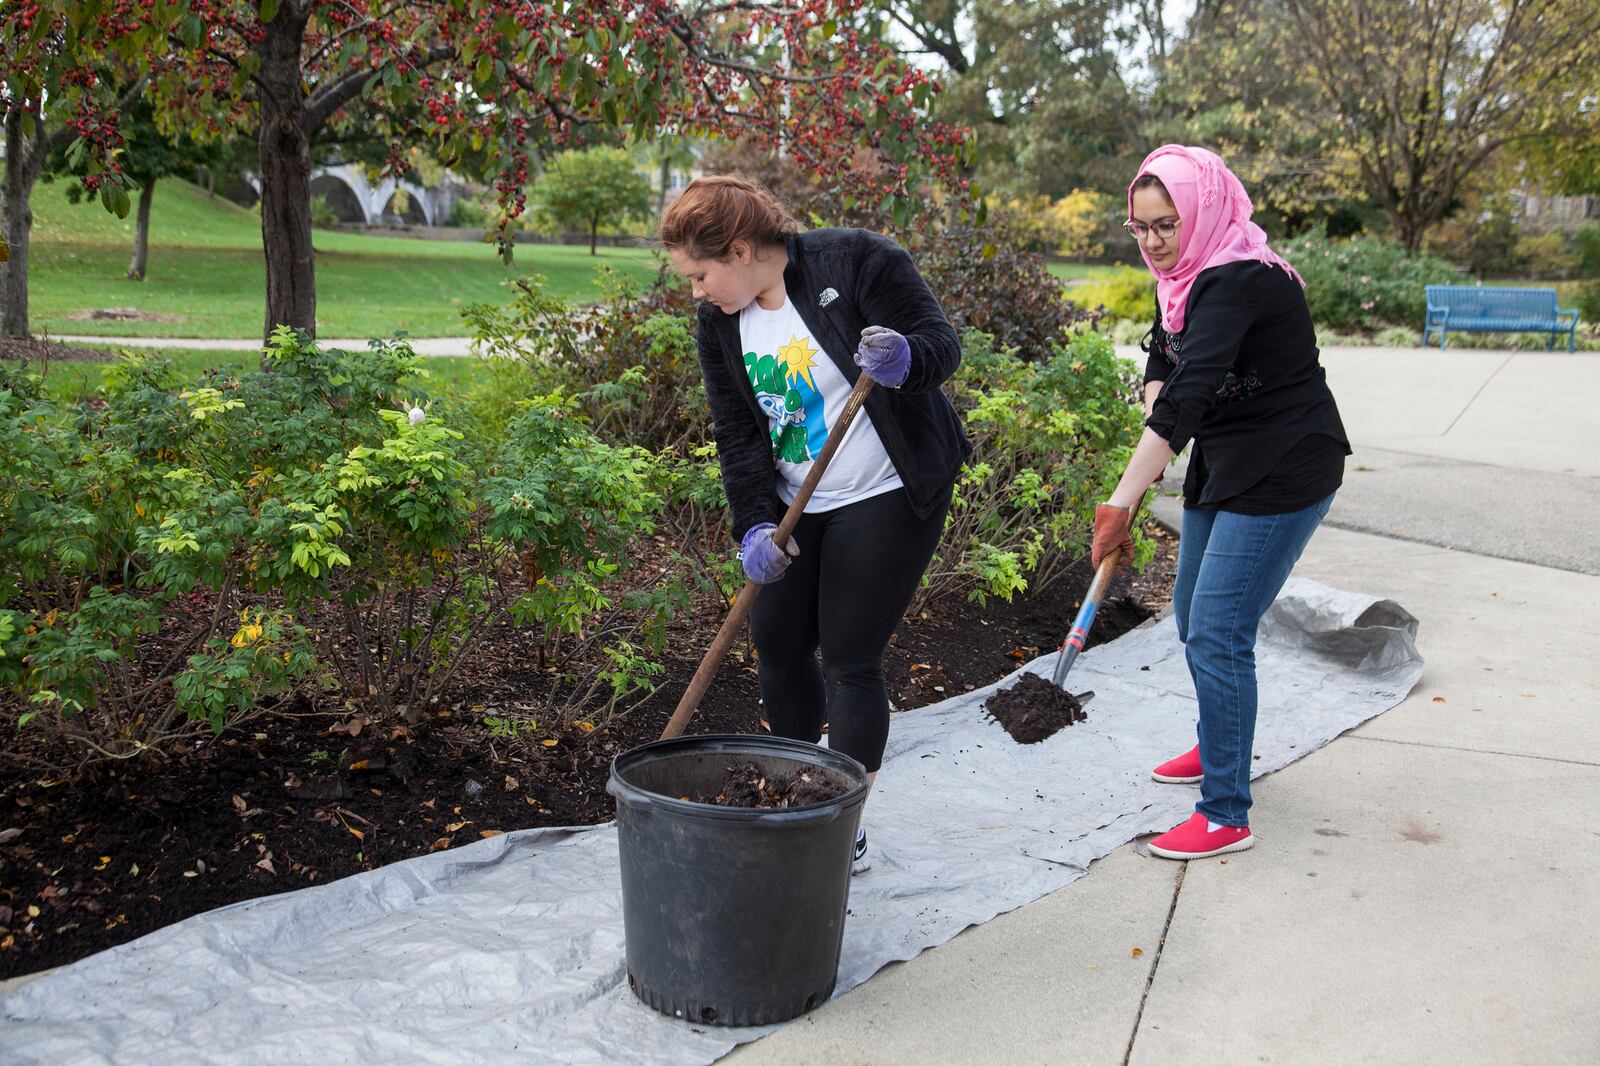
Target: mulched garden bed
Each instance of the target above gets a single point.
(309, 794)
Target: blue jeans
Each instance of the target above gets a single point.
(1230, 569)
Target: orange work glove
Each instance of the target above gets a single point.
(1112, 532)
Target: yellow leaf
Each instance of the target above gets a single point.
(550, 742)
(358, 834)
(359, 764)
(1137, 952)
(456, 827)
(587, 727)
(33, 910)
(487, 833)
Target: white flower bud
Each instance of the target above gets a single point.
(416, 415)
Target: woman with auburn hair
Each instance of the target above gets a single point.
(788, 321)
(1233, 369)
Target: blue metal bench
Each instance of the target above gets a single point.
(1481, 309)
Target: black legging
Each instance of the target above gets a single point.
(845, 592)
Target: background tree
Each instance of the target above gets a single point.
(151, 155)
(488, 82)
(46, 54)
(590, 188)
(1426, 93)
(1019, 73)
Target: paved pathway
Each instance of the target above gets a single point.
(1424, 889)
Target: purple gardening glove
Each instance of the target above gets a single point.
(884, 355)
(763, 561)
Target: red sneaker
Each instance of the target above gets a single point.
(1184, 770)
(1198, 838)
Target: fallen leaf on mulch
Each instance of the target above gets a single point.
(440, 844)
(352, 728)
(511, 783)
(456, 827)
(8, 835)
(487, 833)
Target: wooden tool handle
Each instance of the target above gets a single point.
(747, 595)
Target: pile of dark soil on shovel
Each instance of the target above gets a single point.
(746, 786)
(1034, 709)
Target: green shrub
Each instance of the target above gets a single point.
(1546, 255)
(106, 549)
(1365, 284)
(986, 284)
(1589, 270)
(470, 213)
(1128, 295)
(1051, 441)
(322, 215)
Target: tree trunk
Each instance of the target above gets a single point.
(594, 234)
(22, 170)
(666, 176)
(285, 148)
(141, 232)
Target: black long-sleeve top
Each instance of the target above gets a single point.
(1243, 382)
(841, 281)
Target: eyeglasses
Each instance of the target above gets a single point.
(1166, 229)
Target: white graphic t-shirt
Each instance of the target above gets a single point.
(803, 393)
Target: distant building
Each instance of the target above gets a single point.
(1541, 211)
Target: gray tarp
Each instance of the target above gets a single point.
(511, 948)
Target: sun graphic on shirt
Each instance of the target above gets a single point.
(796, 358)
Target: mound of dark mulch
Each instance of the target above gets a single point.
(1034, 709)
(43, 351)
(747, 786)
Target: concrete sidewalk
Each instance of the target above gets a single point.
(1424, 887)
(446, 346)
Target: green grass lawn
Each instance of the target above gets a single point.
(206, 272)
(1080, 271)
(68, 382)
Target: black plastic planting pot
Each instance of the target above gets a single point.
(733, 916)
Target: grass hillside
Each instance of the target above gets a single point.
(206, 275)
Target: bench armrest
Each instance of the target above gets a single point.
(1573, 311)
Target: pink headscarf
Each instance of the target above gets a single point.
(1216, 223)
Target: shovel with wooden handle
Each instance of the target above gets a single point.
(747, 595)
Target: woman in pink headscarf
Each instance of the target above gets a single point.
(1232, 372)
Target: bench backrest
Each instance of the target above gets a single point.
(1478, 301)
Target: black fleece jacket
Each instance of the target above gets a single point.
(1244, 383)
(842, 281)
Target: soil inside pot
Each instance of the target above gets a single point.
(746, 785)
(1034, 709)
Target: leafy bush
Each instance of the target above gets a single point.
(107, 546)
(1073, 225)
(986, 284)
(1051, 440)
(1546, 255)
(1128, 295)
(471, 213)
(630, 360)
(182, 553)
(1589, 269)
(322, 215)
(1365, 284)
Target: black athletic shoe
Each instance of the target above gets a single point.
(862, 861)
